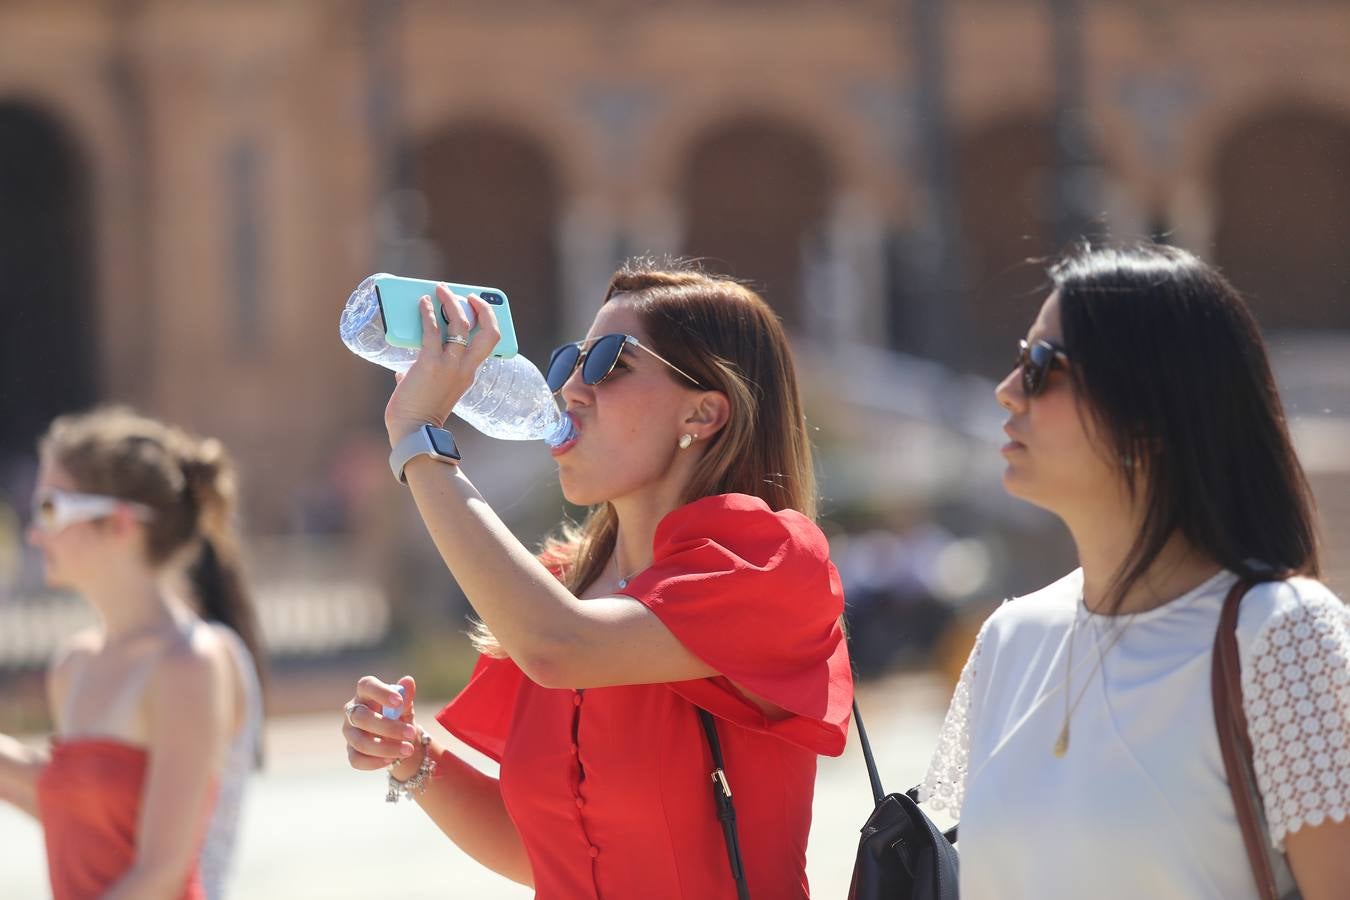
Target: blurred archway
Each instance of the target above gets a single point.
(47, 345)
(1282, 195)
(492, 205)
(1004, 186)
(756, 194)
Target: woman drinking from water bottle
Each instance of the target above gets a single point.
(698, 582)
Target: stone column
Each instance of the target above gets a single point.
(845, 279)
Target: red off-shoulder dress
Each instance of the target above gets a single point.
(609, 787)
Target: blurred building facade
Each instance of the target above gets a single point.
(191, 189)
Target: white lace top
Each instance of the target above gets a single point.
(1139, 805)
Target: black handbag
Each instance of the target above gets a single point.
(902, 855)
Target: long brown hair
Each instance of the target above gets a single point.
(189, 484)
(726, 336)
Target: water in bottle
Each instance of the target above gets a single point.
(508, 399)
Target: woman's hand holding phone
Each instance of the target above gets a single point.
(443, 371)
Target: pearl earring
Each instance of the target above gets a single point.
(685, 441)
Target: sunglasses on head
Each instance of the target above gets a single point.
(598, 360)
(54, 510)
(1037, 360)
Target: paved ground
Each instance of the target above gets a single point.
(312, 828)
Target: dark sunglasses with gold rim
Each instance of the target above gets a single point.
(1037, 360)
(598, 360)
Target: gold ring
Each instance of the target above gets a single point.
(456, 339)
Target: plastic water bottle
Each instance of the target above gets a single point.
(509, 398)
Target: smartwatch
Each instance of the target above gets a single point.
(429, 440)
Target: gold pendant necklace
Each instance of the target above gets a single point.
(1062, 742)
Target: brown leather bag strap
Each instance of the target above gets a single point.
(1231, 724)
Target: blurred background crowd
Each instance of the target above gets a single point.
(189, 189)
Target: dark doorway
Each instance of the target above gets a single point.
(1004, 171)
(1282, 190)
(47, 345)
(492, 198)
(758, 193)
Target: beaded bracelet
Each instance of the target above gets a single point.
(418, 781)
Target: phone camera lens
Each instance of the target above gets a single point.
(494, 299)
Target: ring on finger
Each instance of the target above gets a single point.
(347, 713)
(456, 339)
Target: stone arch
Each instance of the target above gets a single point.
(48, 349)
(492, 195)
(757, 192)
(1281, 188)
(855, 157)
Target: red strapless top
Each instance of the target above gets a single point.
(89, 799)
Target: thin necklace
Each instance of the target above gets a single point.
(623, 579)
(1062, 742)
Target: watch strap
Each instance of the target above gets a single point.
(422, 442)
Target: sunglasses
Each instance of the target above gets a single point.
(598, 360)
(1037, 361)
(54, 510)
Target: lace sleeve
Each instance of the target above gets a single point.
(945, 785)
(1296, 694)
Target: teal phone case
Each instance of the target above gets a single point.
(399, 298)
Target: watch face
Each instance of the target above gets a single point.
(443, 443)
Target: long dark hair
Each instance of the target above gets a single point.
(189, 483)
(1171, 367)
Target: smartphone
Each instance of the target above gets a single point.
(399, 297)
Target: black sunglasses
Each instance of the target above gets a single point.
(1037, 361)
(598, 360)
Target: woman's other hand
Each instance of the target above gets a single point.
(374, 742)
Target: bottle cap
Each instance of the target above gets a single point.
(394, 712)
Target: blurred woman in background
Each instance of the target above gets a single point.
(157, 709)
(699, 583)
(1080, 751)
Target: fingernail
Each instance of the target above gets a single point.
(405, 750)
(409, 733)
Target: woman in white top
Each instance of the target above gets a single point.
(1080, 752)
